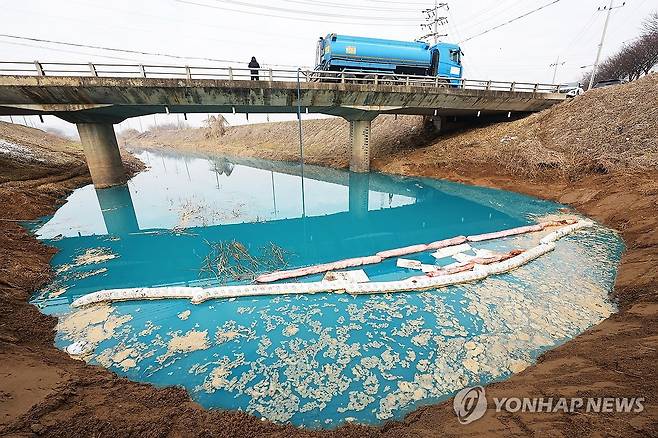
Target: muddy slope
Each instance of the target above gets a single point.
(44, 391)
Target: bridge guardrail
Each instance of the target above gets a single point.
(37, 68)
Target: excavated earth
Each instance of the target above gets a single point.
(597, 153)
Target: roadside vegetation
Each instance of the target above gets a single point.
(635, 59)
(605, 130)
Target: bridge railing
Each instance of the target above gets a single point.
(37, 68)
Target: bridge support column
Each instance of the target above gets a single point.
(359, 189)
(102, 154)
(360, 145)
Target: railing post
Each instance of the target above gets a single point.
(142, 70)
(40, 71)
(511, 88)
(376, 79)
(535, 89)
(407, 80)
(92, 69)
(488, 85)
(342, 78)
(271, 76)
(436, 81)
(230, 73)
(188, 72)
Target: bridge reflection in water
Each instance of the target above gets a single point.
(338, 215)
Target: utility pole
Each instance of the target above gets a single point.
(605, 29)
(556, 64)
(433, 21)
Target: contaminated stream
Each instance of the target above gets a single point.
(322, 359)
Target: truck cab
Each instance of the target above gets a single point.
(447, 61)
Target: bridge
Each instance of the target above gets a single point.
(97, 96)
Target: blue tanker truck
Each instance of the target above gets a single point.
(373, 55)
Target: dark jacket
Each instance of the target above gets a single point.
(253, 64)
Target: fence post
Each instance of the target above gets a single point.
(143, 70)
(511, 88)
(407, 80)
(230, 73)
(188, 72)
(376, 79)
(342, 78)
(488, 85)
(92, 69)
(40, 71)
(271, 76)
(534, 90)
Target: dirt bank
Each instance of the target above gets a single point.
(326, 141)
(572, 153)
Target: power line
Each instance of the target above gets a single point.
(138, 52)
(399, 2)
(177, 21)
(511, 21)
(66, 51)
(306, 12)
(264, 14)
(489, 14)
(349, 6)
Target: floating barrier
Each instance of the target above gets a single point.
(402, 251)
(447, 242)
(506, 233)
(561, 232)
(318, 269)
(477, 268)
(438, 245)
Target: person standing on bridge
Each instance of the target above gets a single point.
(254, 65)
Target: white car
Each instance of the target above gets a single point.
(571, 91)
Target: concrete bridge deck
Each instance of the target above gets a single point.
(96, 102)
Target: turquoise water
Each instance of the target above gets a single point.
(312, 360)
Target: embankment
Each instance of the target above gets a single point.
(326, 141)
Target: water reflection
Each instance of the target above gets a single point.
(118, 210)
(164, 223)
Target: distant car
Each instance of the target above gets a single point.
(608, 83)
(571, 90)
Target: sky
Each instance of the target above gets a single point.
(285, 32)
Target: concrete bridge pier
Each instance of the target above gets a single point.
(102, 154)
(360, 142)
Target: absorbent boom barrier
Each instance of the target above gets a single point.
(377, 258)
(470, 272)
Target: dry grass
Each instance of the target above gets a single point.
(326, 141)
(232, 261)
(606, 130)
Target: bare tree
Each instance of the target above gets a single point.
(634, 59)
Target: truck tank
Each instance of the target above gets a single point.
(342, 52)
